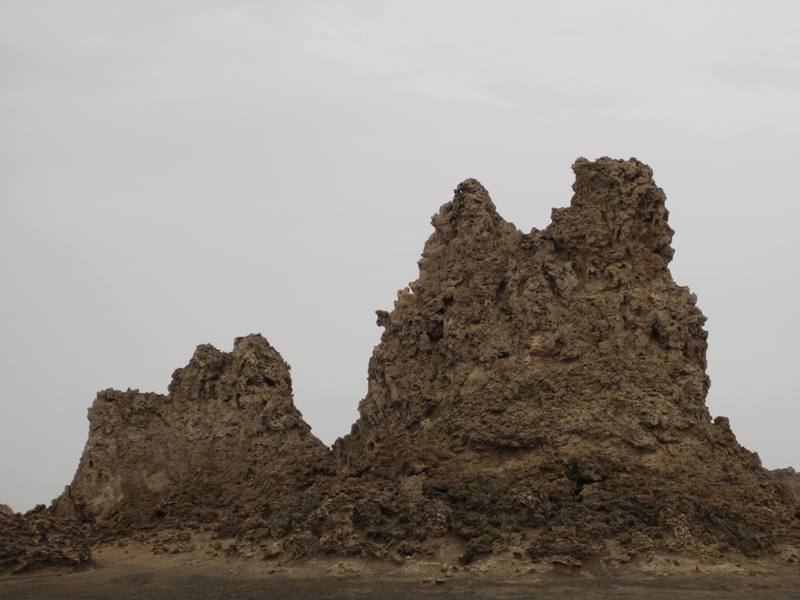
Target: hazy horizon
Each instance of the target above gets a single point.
(180, 173)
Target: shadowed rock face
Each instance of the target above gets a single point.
(541, 394)
(225, 447)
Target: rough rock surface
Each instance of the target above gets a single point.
(546, 391)
(790, 478)
(37, 539)
(224, 449)
(539, 394)
(5, 509)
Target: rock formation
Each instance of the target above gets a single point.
(37, 539)
(539, 395)
(546, 392)
(5, 509)
(790, 478)
(225, 449)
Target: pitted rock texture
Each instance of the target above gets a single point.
(37, 539)
(224, 449)
(546, 392)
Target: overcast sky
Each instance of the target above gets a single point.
(175, 173)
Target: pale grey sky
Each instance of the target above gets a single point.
(175, 173)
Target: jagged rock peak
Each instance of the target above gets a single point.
(467, 230)
(471, 212)
(617, 218)
(253, 363)
(472, 189)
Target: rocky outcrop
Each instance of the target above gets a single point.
(538, 394)
(545, 392)
(5, 509)
(789, 478)
(225, 449)
(37, 540)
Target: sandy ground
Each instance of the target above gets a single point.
(131, 572)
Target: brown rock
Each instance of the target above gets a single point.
(789, 478)
(225, 448)
(37, 539)
(551, 385)
(539, 392)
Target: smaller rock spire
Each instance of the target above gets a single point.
(617, 217)
(471, 209)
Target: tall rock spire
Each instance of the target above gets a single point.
(546, 392)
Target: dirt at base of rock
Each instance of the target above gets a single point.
(540, 394)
